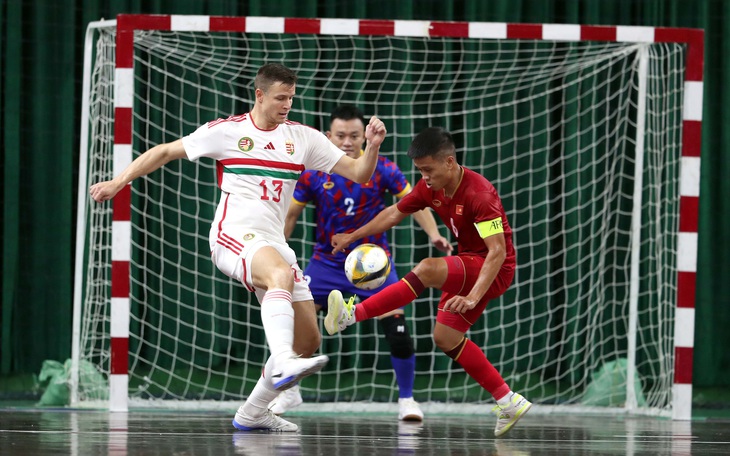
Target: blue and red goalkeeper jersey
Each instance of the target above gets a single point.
(344, 206)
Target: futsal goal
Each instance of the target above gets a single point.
(591, 135)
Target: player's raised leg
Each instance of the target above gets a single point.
(341, 314)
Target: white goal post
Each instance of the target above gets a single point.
(591, 134)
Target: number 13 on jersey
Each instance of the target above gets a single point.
(272, 190)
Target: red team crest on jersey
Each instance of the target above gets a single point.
(459, 209)
(245, 144)
(290, 147)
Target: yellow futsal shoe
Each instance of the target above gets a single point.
(340, 314)
(508, 415)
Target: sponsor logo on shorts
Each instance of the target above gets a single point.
(245, 144)
(328, 185)
(248, 236)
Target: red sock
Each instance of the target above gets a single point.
(390, 298)
(476, 364)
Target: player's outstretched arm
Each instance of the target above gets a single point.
(149, 161)
(386, 219)
(361, 169)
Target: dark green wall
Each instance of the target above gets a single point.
(41, 53)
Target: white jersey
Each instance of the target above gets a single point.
(257, 171)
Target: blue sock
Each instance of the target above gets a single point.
(405, 373)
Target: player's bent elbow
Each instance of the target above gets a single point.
(364, 175)
(363, 178)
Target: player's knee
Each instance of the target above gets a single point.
(444, 340)
(431, 272)
(440, 339)
(280, 278)
(397, 335)
(441, 343)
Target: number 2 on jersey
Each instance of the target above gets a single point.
(350, 203)
(276, 185)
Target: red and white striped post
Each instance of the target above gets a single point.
(121, 221)
(690, 163)
(689, 191)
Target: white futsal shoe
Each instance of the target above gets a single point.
(267, 422)
(289, 372)
(340, 314)
(286, 400)
(409, 410)
(508, 415)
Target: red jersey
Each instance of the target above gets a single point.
(475, 200)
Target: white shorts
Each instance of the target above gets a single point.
(233, 258)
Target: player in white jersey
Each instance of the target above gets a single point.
(260, 156)
(257, 171)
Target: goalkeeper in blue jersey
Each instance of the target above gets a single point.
(342, 205)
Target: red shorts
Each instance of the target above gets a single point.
(463, 273)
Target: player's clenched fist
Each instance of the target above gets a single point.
(375, 131)
(340, 242)
(104, 191)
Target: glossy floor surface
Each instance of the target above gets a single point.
(73, 432)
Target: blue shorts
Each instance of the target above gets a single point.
(323, 278)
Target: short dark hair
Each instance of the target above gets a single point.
(347, 112)
(430, 142)
(272, 73)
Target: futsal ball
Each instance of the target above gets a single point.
(367, 266)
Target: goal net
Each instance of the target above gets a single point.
(582, 139)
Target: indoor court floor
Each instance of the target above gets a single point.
(184, 433)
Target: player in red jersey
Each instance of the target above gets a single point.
(482, 270)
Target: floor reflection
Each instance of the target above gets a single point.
(77, 433)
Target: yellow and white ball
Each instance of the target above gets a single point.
(367, 266)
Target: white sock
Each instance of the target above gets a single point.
(505, 400)
(277, 316)
(263, 393)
